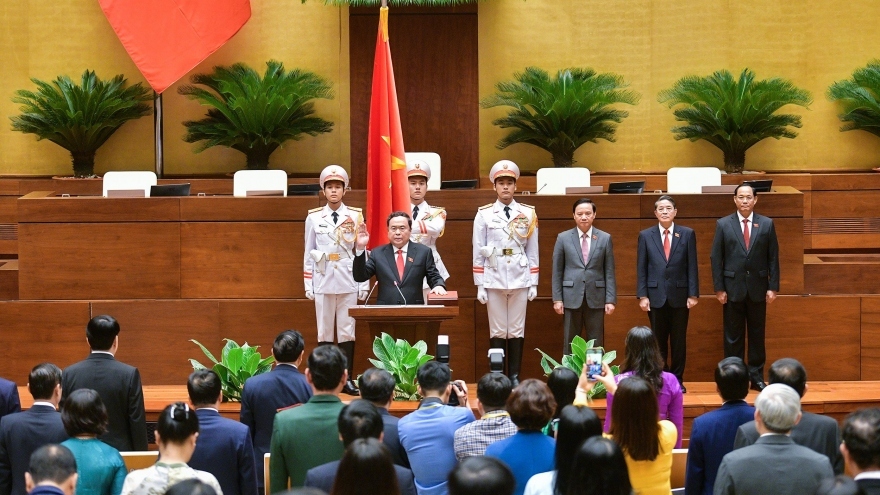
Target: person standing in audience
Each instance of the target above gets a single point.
(377, 387)
(366, 467)
(505, 252)
(481, 475)
(331, 232)
(51, 471)
(429, 222)
(266, 394)
(176, 433)
(9, 401)
(562, 382)
(21, 434)
(307, 436)
(861, 448)
(494, 424)
(100, 467)
(118, 384)
(839, 485)
(224, 448)
(599, 468)
(427, 433)
(713, 433)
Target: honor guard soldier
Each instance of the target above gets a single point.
(331, 232)
(428, 222)
(505, 248)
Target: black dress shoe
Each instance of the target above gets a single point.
(759, 385)
(350, 388)
(684, 389)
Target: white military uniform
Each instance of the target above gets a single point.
(428, 222)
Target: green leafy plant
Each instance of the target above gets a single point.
(860, 99)
(402, 361)
(253, 114)
(560, 114)
(734, 114)
(575, 362)
(237, 364)
(79, 117)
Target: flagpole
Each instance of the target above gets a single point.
(158, 135)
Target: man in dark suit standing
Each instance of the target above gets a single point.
(21, 434)
(377, 386)
(9, 401)
(399, 267)
(861, 448)
(667, 283)
(224, 448)
(745, 272)
(118, 384)
(584, 287)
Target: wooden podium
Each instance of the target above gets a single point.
(411, 323)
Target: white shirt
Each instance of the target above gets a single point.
(103, 352)
(868, 475)
(741, 218)
(44, 403)
(671, 227)
(589, 235)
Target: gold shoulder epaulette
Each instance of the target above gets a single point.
(486, 206)
(438, 208)
(355, 208)
(313, 210)
(528, 206)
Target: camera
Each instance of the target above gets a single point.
(496, 360)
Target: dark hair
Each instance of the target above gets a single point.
(562, 382)
(377, 386)
(395, 214)
(288, 346)
(481, 475)
(583, 201)
(359, 419)
(642, 356)
(732, 379)
(434, 376)
(754, 193)
(192, 486)
(84, 413)
(52, 462)
(665, 197)
(861, 435)
(839, 485)
(531, 405)
(576, 425)
(599, 468)
(177, 423)
(101, 331)
(204, 387)
(634, 419)
(327, 364)
(789, 372)
(43, 379)
(366, 467)
(493, 389)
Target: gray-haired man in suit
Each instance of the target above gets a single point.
(584, 287)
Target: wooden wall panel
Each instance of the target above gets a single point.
(8, 279)
(845, 204)
(870, 343)
(97, 209)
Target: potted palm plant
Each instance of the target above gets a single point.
(860, 99)
(253, 114)
(563, 113)
(734, 114)
(79, 117)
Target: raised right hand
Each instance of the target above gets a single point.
(363, 237)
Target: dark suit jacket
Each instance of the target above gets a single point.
(323, 476)
(119, 386)
(382, 263)
(818, 433)
(9, 402)
(674, 280)
(711, 439)
(224, 449)
(391, 439)
(46, 490)
(744, 273)
(20, 435)
(869, 486)
(572, 280)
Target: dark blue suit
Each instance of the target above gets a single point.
(9, 402)
(323, 477)
(391, 439)
(46, 490)
(224, 449)
(263, 396)
(20, 435)
(712, 438)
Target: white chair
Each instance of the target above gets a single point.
(433, 161)
(555, 180)
(128, 183)
(690, 180)
(259, 183)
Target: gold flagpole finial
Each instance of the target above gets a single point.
(383, 22)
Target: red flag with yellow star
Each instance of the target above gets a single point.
(387, 186)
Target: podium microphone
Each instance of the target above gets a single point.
(371, 292)
(401, 293)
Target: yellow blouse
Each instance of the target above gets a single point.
(652, 477)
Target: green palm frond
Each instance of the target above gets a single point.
(560, 114)
(253, 114)
(79, 117)
(860, 99)
(734, 114)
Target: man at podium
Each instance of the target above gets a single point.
(400, 266)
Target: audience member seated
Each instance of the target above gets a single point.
(224, 448)
(377, 386)
(529, 451)
(481, 475)
(23, 433)
(264, 395)
(190, 487)
(366, 467)
(307, 436)
(358, 420)
(713, 433)
(100, 468)
(774, 463)
(427, 434)
(576, 424)
(861, 448)
(599, 468)
(562, 382)
(820, 433)
(9, 401)
(51, 471)
(118, 384)
(176, 433)
(839, 485)
(494, 424)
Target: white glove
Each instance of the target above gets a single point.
(533, 292)
(310, 295)
(482, 295)
(362, 294)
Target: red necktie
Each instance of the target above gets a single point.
(746, 231)
(666, 245)
(400, 263)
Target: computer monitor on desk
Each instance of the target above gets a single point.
(633, 187)
(759, 186)
(170, 190)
